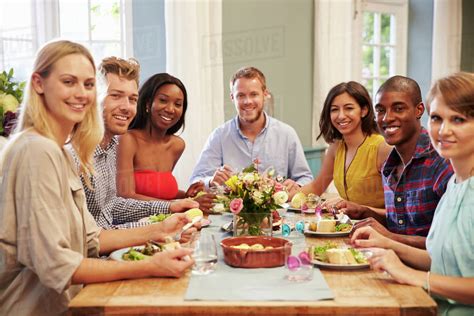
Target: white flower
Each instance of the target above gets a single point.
(249, 178)
(280, 197)
(218, 208)
(257, 197)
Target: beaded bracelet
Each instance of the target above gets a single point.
(426, 286)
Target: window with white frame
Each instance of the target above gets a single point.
(98, 24)
(380, 43)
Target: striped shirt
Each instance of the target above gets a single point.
(411, 198)
(109, 210)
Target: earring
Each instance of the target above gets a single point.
(147, 110)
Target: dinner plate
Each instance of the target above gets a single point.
(334, 266)
(292, 209)
(117, 254)
(326, 234)
(204, 222)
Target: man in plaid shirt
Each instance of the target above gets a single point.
(119, 103)
(414, 176)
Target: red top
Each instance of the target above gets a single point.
(157, 184)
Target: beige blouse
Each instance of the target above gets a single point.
(45, 228)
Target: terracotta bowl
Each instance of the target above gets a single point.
(249, 258)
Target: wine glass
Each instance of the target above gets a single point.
(205, 255)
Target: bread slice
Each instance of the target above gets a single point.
(327, 225)
(340, 256)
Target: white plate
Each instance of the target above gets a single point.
(117, 254)
(325, 234)
(340, 266)
(292, 209)
(309, 232)
(205, 222)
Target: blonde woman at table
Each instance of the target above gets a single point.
(446, 268)
(46, 231)
(356, 152)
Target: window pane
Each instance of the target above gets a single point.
(103, 49)
(385, 29)
(369, 85)
(73, 17)
(105, 20)
(367, 61)
(368, 27)
(17, 45)
(385, 61)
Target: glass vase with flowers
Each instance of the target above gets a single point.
(252, 197)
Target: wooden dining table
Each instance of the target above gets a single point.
(357, 292)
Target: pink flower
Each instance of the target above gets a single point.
(278, 187)
(236, 205)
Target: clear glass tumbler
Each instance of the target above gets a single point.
(205, 255)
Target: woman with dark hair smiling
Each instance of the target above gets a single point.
(356, 152)
(148, 153)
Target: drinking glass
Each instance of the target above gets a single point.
(312, 201)
(205, 255)
(298, 266)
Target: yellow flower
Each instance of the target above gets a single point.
(232, 182)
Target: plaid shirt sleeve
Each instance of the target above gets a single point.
(130, 210)
(109, 210)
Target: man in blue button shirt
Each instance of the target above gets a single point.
(252, 136)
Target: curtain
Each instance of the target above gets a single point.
(332, 51)
(194, 55)
(447, 35)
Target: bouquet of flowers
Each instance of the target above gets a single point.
(252, 197)
(11, 94)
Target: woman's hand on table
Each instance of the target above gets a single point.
(171, 262)
(367, 237)
(206, 202)
(195, 188)
(386, 260)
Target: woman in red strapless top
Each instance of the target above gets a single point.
(160, 185)
(148, 152)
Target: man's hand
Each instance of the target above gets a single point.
(170, 263)
(372, 222)
(353, 210)
(221, 175)
(291, 187)
(183, 205)
(366, 237)
(194, 189)
(206, 202)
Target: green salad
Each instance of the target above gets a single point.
(158, 218)
(137, 254)
(319, 253)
